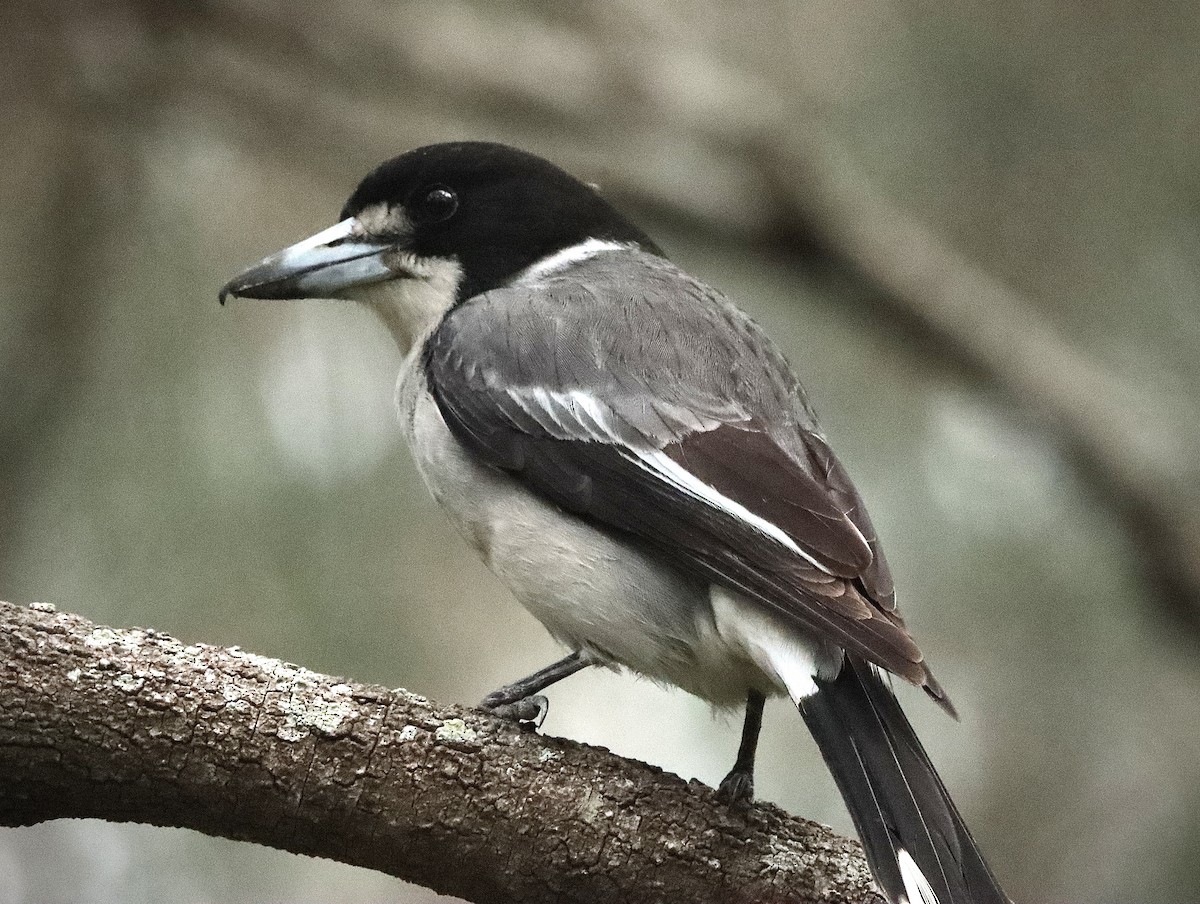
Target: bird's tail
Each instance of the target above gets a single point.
(917, 845)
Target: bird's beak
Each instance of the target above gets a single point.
(322, 266)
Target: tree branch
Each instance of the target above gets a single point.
(133, 725)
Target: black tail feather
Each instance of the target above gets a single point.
(899, 804)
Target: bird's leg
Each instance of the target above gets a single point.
(737, 788)
(520, 700)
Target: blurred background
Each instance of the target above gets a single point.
(973, 228)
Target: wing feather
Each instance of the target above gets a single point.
(593, 397)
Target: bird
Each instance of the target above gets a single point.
(636, 460)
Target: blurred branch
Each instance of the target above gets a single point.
(1132, 449)
(46, 351)
(59, 253)
(132, 725)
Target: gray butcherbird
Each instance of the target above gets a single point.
(635, 460)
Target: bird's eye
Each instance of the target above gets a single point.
(437, 204)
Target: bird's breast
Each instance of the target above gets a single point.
(590, 589)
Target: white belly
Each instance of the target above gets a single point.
(591, 590)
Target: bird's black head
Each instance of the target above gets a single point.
(437, 225)
(494, 209)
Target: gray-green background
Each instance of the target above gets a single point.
(235, 476)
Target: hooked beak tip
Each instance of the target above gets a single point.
(235, 288)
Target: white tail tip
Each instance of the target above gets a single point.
(917, 889)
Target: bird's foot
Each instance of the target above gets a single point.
(737, 788)
(525, 711)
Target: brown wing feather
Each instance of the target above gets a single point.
(744, 463)
(821, 511)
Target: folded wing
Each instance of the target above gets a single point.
(664, 412)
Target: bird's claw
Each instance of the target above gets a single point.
(526, 711)
(736, 789)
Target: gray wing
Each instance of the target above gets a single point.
(655, 407)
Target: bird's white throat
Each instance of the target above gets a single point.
(412, 304)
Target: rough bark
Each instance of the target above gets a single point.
(133, 725)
